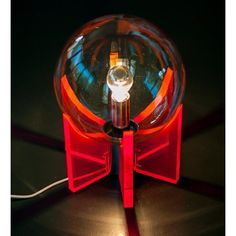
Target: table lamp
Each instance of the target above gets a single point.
(120, 82)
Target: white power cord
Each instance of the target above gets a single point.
(14, 196)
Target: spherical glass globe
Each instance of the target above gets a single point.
(119, 55)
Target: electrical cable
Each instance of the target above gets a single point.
(14, 196)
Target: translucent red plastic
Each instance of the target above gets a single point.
(126, 164)
(159, 156)
(88, 160)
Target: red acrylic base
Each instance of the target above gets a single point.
(88, 159)
(126, 164)
(159, 156)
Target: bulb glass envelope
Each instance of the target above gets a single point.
(118, 40)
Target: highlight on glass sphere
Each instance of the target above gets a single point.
(117, 59)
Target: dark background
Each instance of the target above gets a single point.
(196, 205)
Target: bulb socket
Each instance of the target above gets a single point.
(120, 113)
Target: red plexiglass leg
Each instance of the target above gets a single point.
(126, 159)
(88, 160)
(159, 156)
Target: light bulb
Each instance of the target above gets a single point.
(119, 80)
